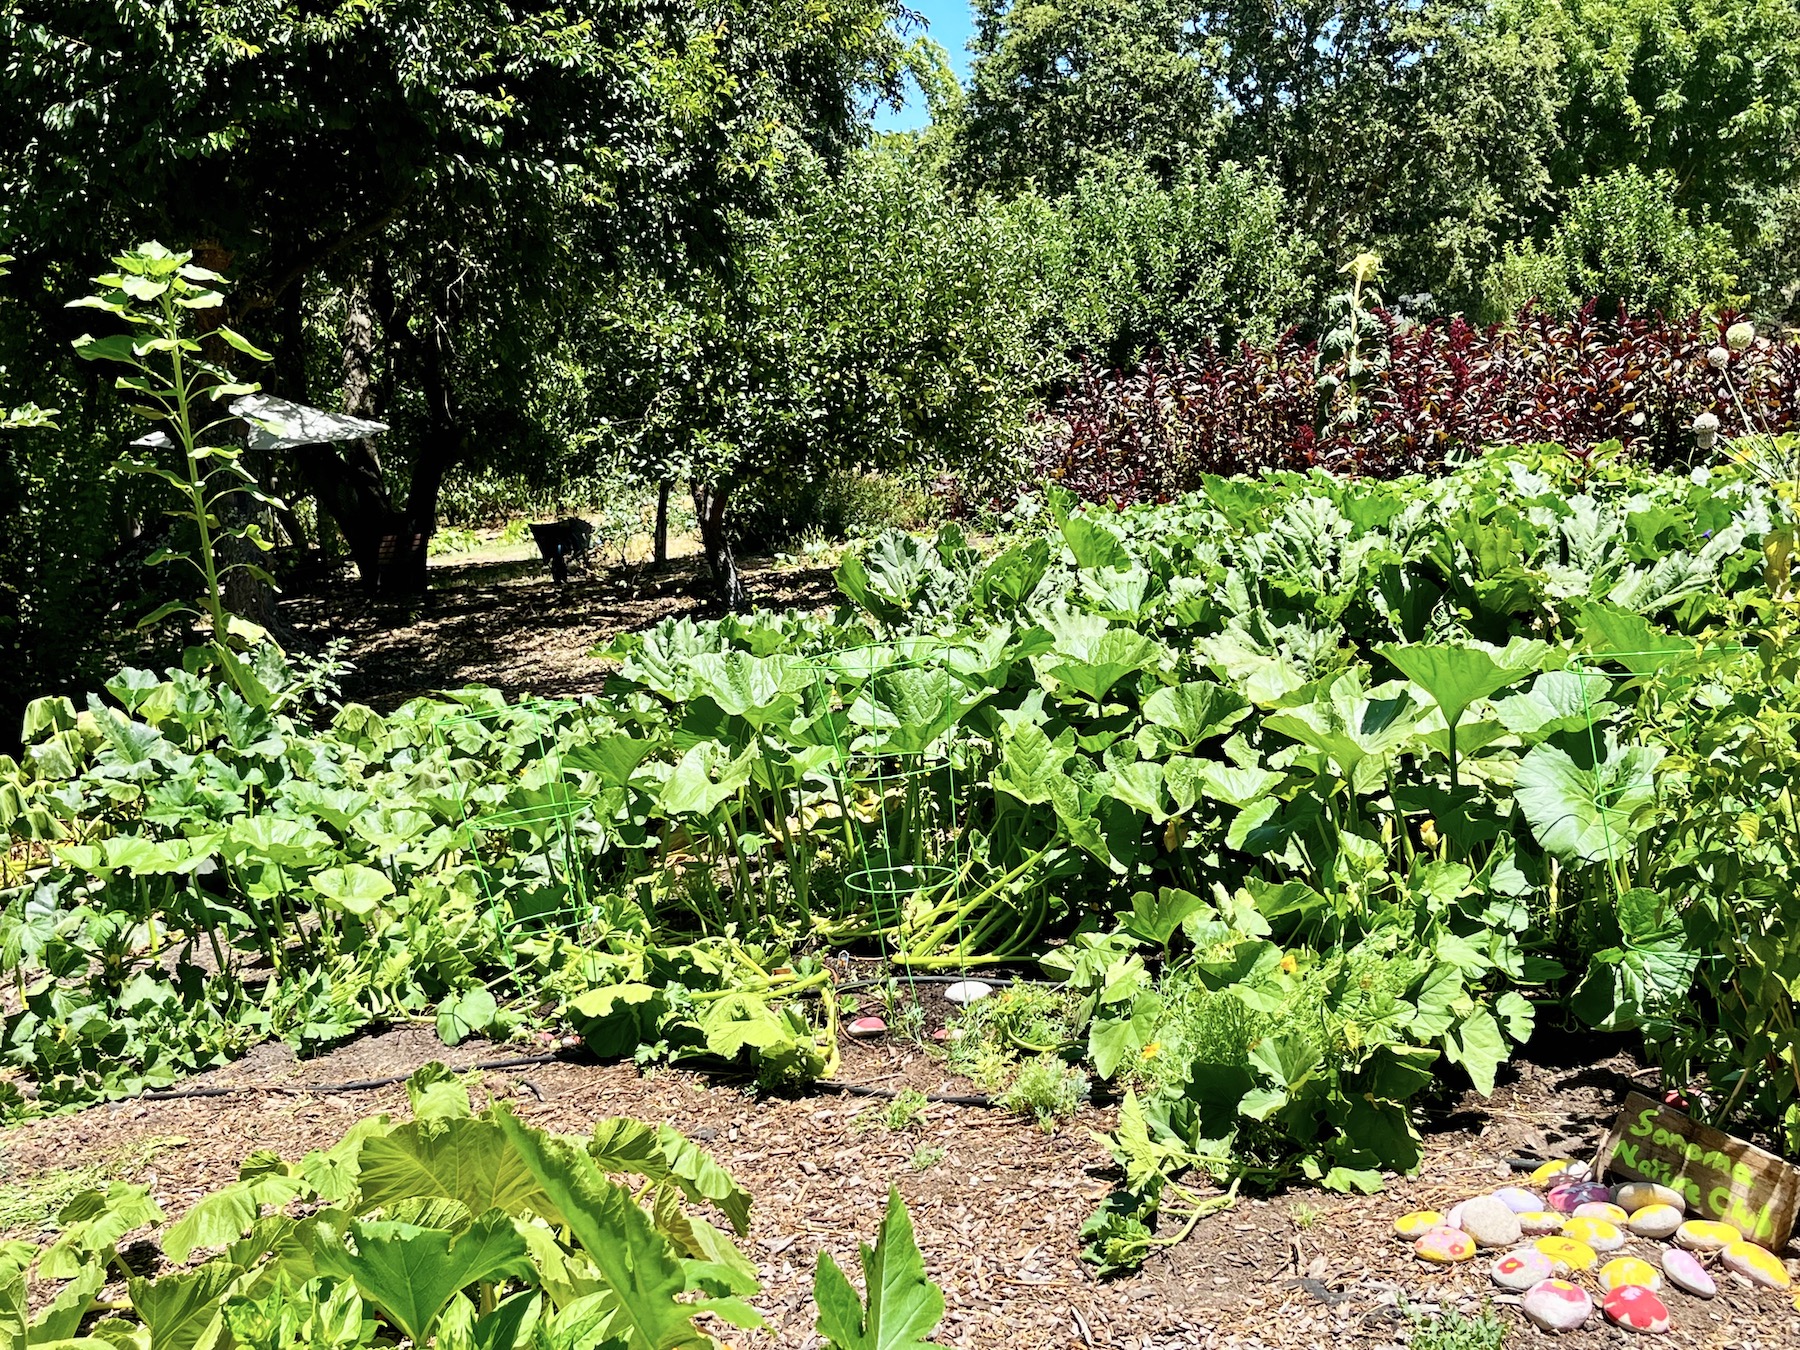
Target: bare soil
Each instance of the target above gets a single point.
(507, 624)
(996, 1213)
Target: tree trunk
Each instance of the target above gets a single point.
(660, 559)
(709, 505)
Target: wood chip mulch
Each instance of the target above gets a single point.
(996, 1216)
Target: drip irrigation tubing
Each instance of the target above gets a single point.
(352, 1085)
(864, 1090)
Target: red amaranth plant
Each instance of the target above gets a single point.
(1444, 389)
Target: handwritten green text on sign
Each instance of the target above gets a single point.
(1720, 1177)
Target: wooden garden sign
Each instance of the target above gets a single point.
(1720, 1177)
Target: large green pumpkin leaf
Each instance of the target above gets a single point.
(182, 1311)
(641, 1274)
(1588, 813)
(466, 1160)
(903, 1306)
(411, 1273)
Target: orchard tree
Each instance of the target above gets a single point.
(445, 181)
(874, 325)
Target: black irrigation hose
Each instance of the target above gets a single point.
(902, 978)
(945, 1098)
(354, 1085)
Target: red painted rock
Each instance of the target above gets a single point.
(1636, 1309)
(1556, 1305)
(865, 1027)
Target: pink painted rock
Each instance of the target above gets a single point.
(865, 1027)
(1519, 1270)
(1636, 1309)
(1445, 1246)
(1556, 1305)
(1565, 1199)
(1756, 1264)
(1687, 1274)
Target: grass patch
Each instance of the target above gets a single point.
(30, 1203)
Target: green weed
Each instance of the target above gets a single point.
(926, 1157)
(1046, 1088)
(31, 1203)
(1457, 1331)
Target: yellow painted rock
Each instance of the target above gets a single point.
(1703, 1235)
(1623, 1270)
(1417, 1224)
(1602, 1209)
(1758, 1264)
(1567, 1253)
(1541, 1223)
(1445, 1246)
(1599, 1234)
(1554, 1169)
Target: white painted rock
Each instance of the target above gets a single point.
(1655, 1221)
(1687, 1274)
(965, 992)
(1519, 1200)
(1490, 1222)
(1635, 1195)
(865, 1027)
(1557, 1305)
(1756, 1264)
(1521, 1269)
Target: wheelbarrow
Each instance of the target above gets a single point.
(561, 540)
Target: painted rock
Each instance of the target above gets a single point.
(1454, 1218)
(1559, 1169)
(1566, 1254)
(1624, 1270)
(1597, 1233)
(1635, 1195)
(965, 992)
(1655, 1221)
(1521, 1269)
(1756, 1264)
(1519, 1200)
(1687, 1274)
(1541, 1222)
(1636, 1309)
(1566, 1198)
(1415, 1225)
(864, 1027)
(1445, 1247)
(1703, 1235)
(1490, 1222)
(1556, 1305)
(1602, 1209)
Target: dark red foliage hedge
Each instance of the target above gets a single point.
(1442, 390)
